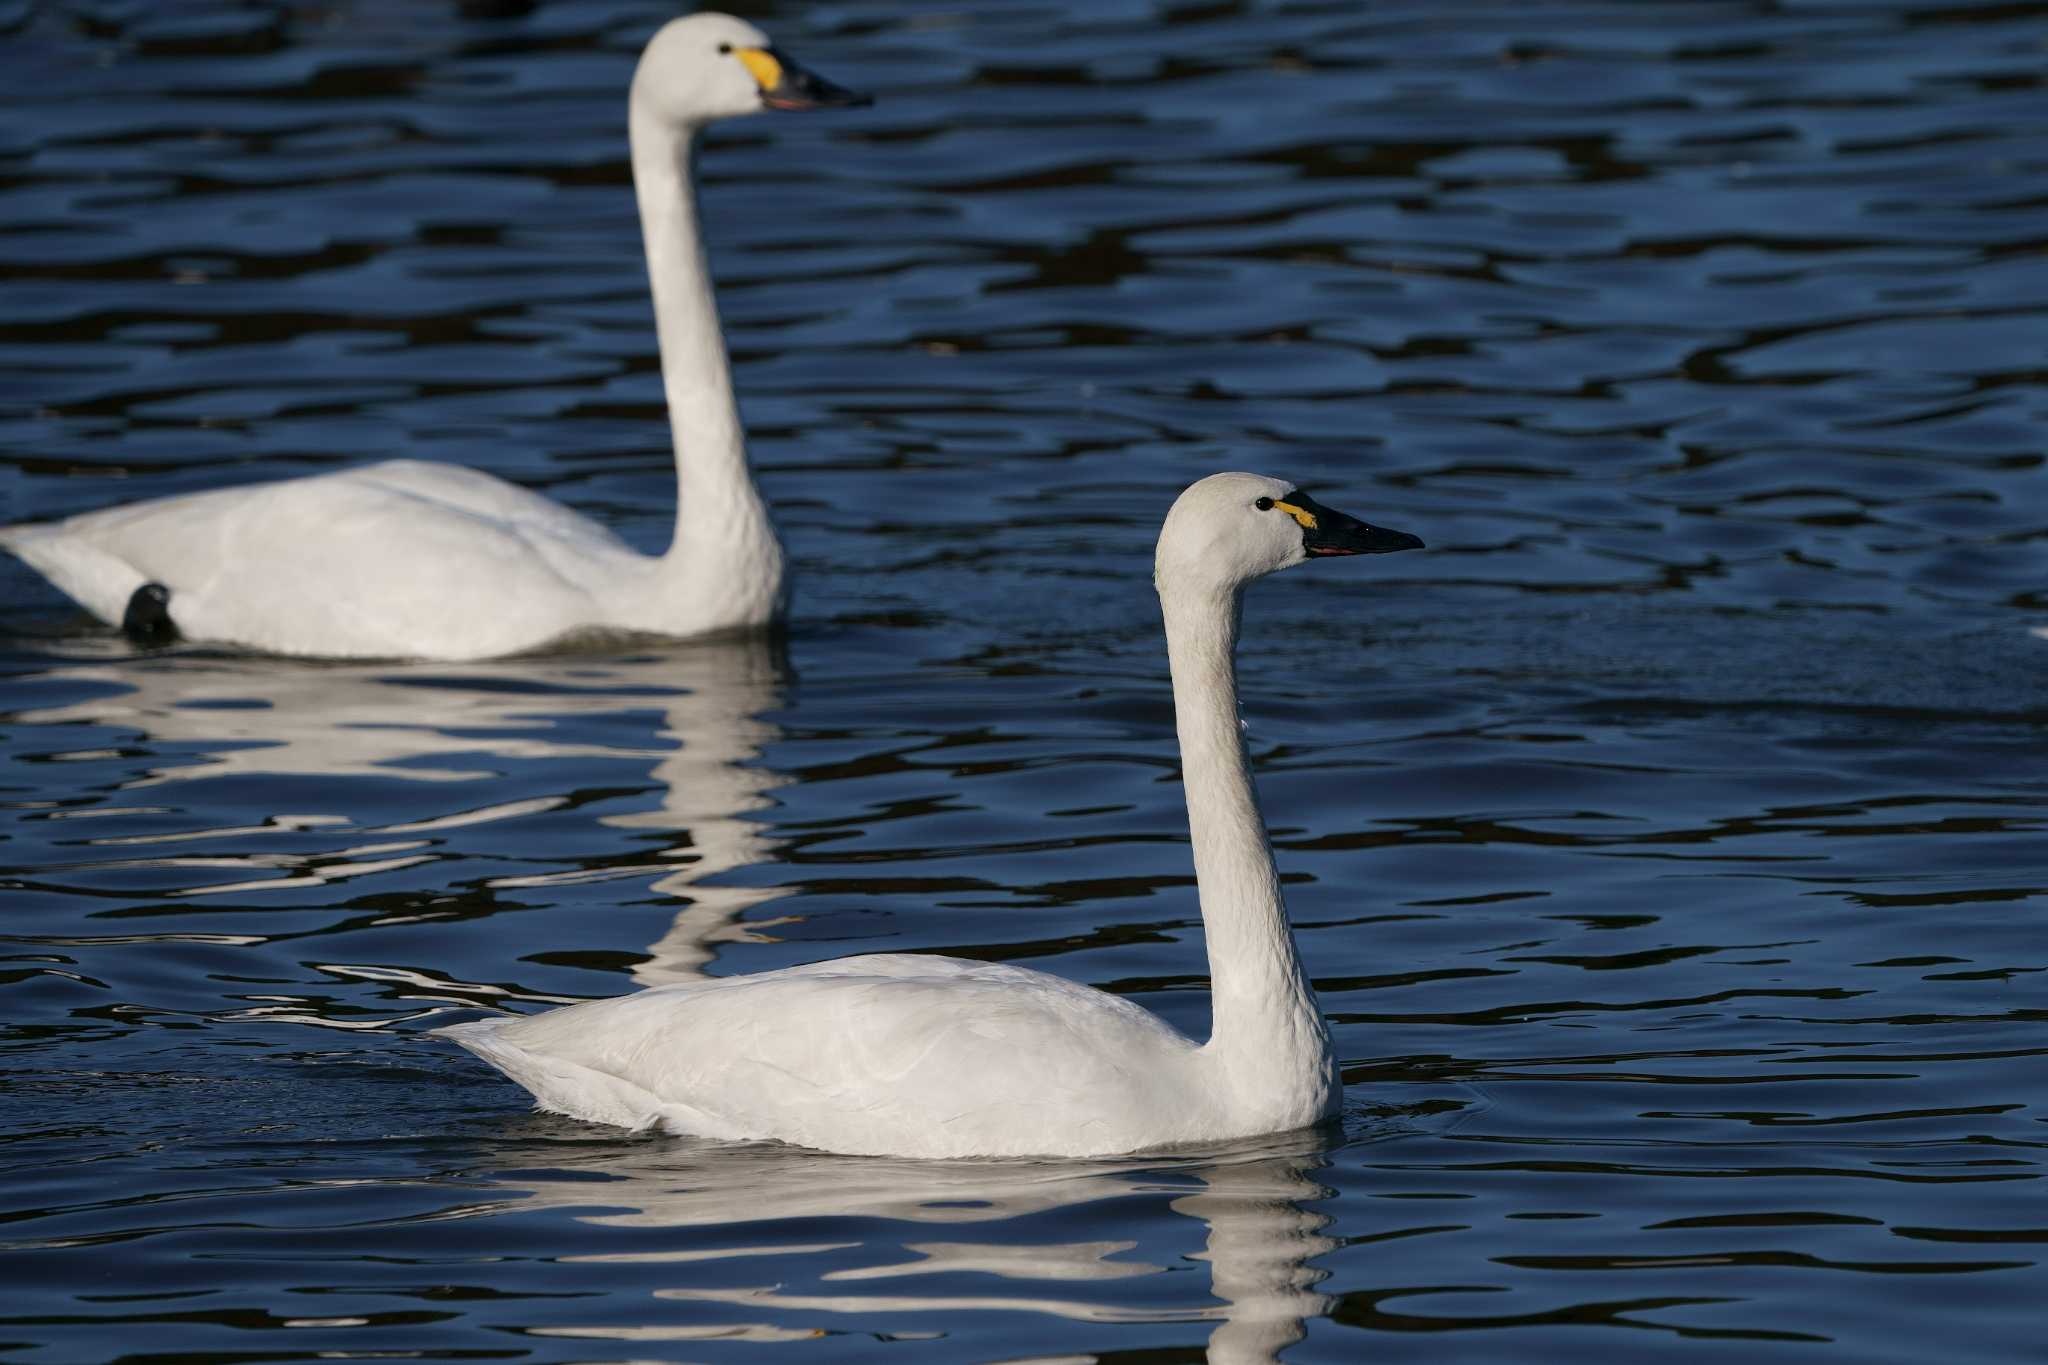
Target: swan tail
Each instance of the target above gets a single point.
(558, 1086)
(102, 583)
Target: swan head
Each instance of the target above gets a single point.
(712, 66)
(1228, 529)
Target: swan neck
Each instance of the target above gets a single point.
(718, 509)
(1266, 1019)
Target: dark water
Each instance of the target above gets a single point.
(1666, 842)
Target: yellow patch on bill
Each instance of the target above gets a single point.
(1305, 517)
(762, 63)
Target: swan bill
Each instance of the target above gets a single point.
(786, 85)
(1326, 531)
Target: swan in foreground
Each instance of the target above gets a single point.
(409, 559)
(901, 1054)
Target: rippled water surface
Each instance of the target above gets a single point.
(1666, 841)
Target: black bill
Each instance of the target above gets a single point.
(786, 85)
(1326, 531)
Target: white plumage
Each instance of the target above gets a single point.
(911, 1055)
(408, 559)
(892, 1053)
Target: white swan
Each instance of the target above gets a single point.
(907, 1055)
(409, 559)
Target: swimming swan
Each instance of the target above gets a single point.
(900, 1054)
(409, 559)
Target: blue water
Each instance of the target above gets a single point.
(1666, 842)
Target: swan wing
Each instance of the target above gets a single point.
(404, 558)
(892, 1054)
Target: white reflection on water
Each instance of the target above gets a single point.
(241, 717)
(1261, 1241)
(711, 782)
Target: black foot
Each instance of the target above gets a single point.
(148, 618)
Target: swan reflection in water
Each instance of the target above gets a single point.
(238, 717)
(1261, 1242)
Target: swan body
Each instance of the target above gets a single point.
(410, 559)
(925, 1056)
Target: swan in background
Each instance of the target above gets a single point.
(923, 1056)
(411, 559)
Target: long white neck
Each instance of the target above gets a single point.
(721, 522)
(1268, 1033)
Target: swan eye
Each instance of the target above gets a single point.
(1264, 504)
